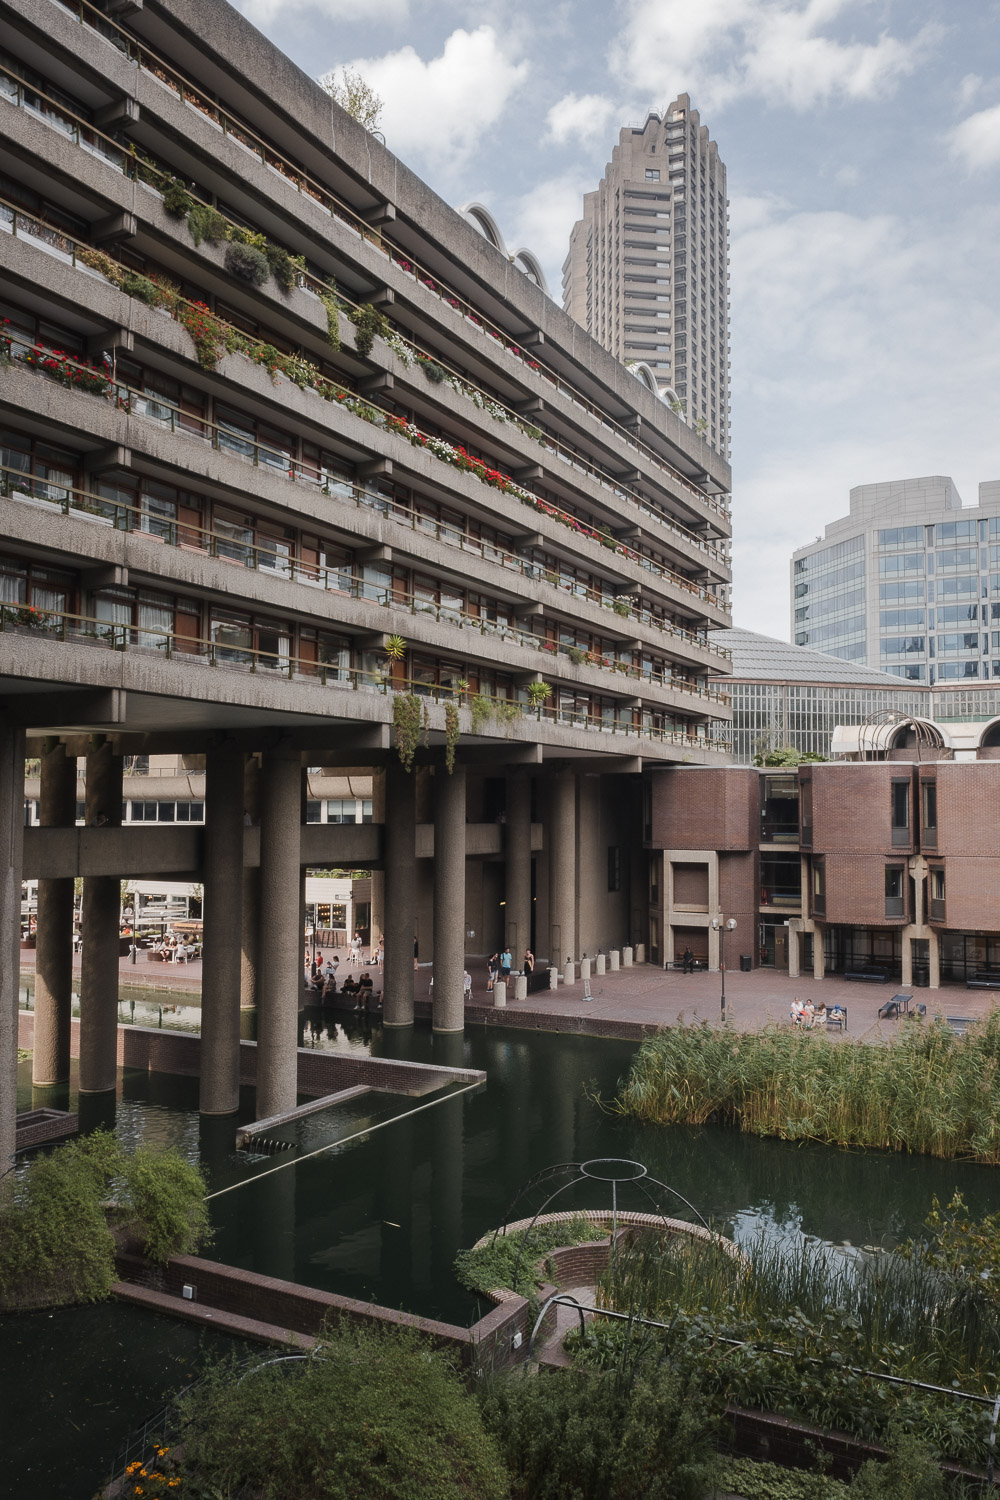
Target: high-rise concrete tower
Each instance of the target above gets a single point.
(647, 272)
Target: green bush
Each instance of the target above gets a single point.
(176, 199)
(910, 1474)
(206, 223)
(369, 324)
(56, 1229)
(499, 1261)
(247, 264)
(633, 1432)
(281, 266)
(373, 1412)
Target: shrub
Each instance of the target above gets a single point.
(369, 323)
(282, 266)
(373, 1412)
(177, 200)
(206, 223)
(434, 372)
(642, 1430)
(332, 306)
(247, 264)
(56, 1240)
(496, 1264)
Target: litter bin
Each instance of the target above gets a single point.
(746, 963)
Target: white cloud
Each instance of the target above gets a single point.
(969, 87)
(976, 141)
(542, 220)
(779, 50)
(265, 13)
(847, 176)
(862, 350)
(580, 119)
(440, 109)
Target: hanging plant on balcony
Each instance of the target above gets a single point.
(537, 693)
(176, 199)
(332, 306)
(395, 647)
(206, 223)
(406, 722)
(369, 323)
(451, 734)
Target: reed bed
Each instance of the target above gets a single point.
(815, 1331)
(927, 1091)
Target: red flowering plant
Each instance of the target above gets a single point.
(75, 374)
(26, 615)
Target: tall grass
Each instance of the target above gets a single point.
(812, 1334)
(926, 1091)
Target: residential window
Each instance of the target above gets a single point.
(818, 887)
(652, 174)
(937, 893)
(900, 795)
(894, 890)
(928, 812)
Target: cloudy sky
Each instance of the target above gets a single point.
(862, 140)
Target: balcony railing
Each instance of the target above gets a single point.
(232, 655)
(296, 177)
(338, 580)
(73, 372)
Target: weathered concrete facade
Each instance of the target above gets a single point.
(304, 533)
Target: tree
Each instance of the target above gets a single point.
(348, 89)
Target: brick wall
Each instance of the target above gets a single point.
(968, 809)
(855, 889)
(705, 809)
(852, 810)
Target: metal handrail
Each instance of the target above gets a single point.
(216, 544)
(80, 629)
(189, 93)
(244, 445)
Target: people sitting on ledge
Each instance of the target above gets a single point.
(365, 991)
(349, 986)
(330, 986)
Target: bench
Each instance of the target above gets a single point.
(876, 976)
(984, 979)
(894, 1008)
(699, 965)
(959, 1024)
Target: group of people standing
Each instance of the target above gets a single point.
(501, 964)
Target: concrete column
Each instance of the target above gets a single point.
(499, 994)
(906, 975)
(585, 968)
(562, 897)
(553, 978)
(100, 925)
(249, 948)
(400, 894)
(517, 865)
(521, 987)
(819, 957)
(279, 980)
(378, 876)
(54, 943)
(449, 899)
(934, 960)
(615, 959)
(626, 958)
(794, 951)
(223, 933)
(569, 973)
(11, 844)
(600, 964)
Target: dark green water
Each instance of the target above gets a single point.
(381, 1215)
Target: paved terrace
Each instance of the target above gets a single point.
(627, 1003)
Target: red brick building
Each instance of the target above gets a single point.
(888, 866)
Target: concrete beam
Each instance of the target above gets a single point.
(98, 706)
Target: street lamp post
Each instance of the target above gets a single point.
(722, 925)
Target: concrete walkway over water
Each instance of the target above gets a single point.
(641, 997)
